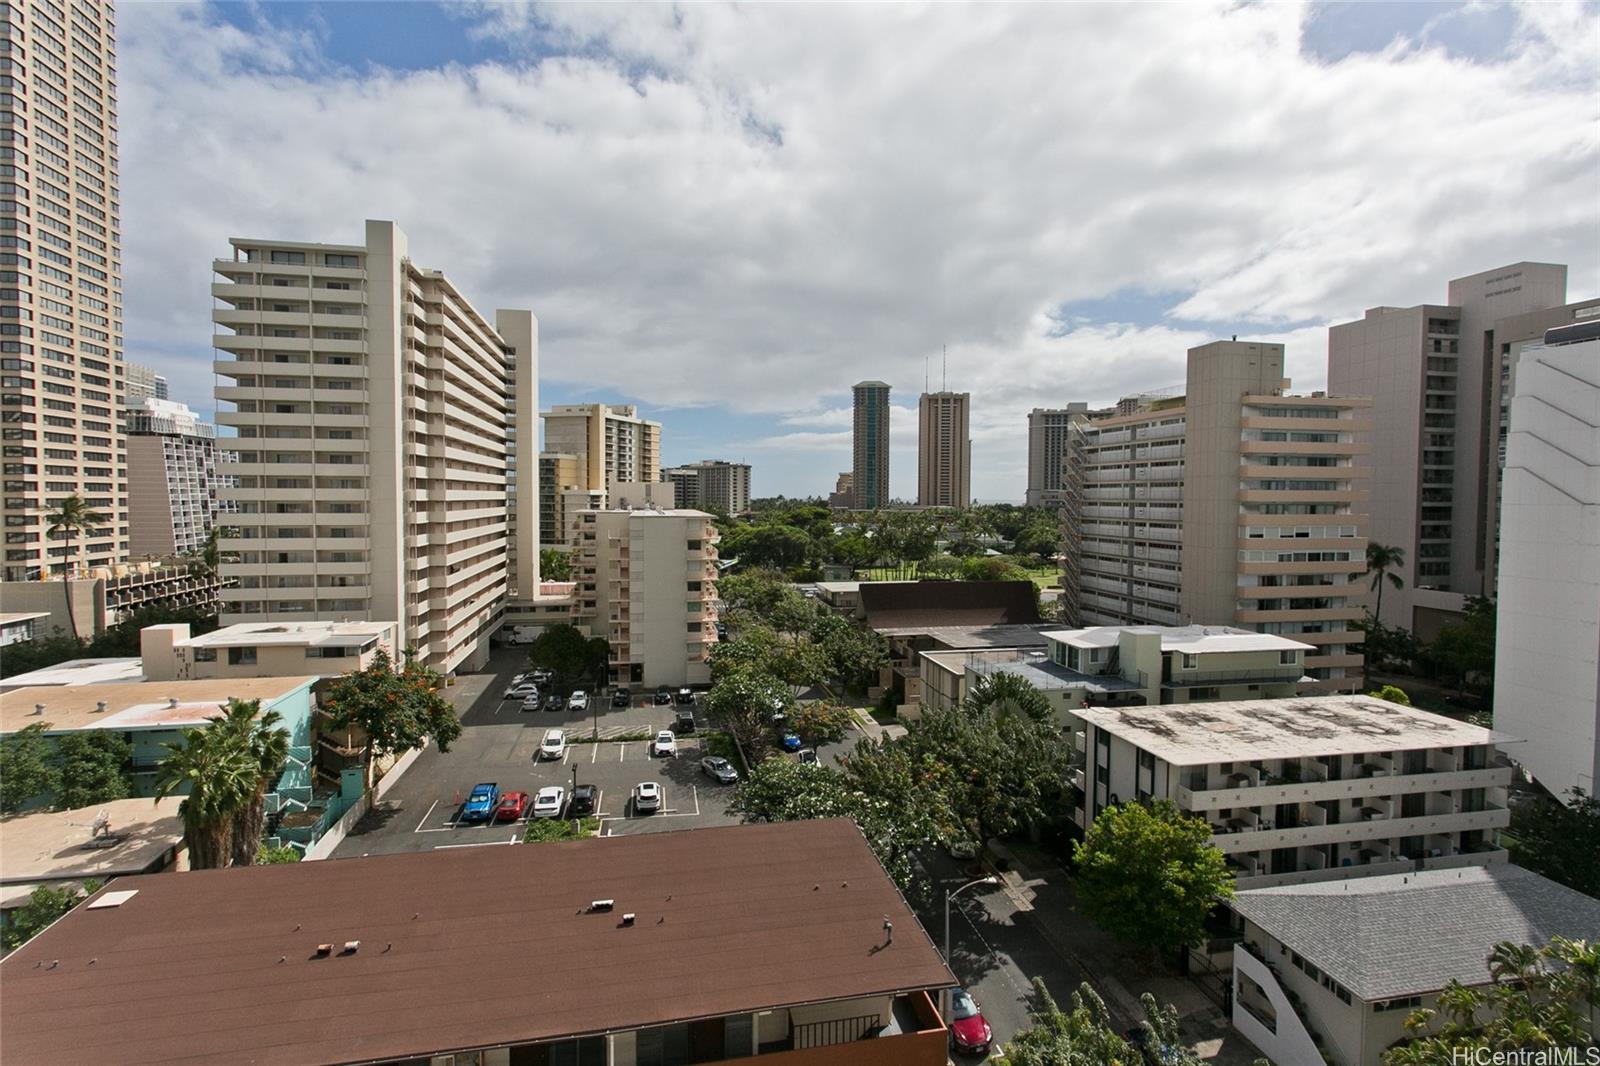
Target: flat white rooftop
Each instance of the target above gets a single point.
(290, 634)
(1200, 734)
(80, 672)
(16, 618)
(138, 705)
(1193, 640)
(48, 846)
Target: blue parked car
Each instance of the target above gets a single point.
(480, 805)
(791, 742)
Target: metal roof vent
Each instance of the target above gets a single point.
(113, 899)
(172, 703)
(100, 706)
(351, 947)
(601, 906)
(38, 708)
(627, 920)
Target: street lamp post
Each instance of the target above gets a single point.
(949, 894)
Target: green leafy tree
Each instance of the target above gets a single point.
(1560, 841)
(767, 545)
(45, 905)
(1394, 694)
(28, 768)
(398, 709)
(1463, 653)
(820, 723)
(572, 657)
(218, 777)
(852, 655)
(1085, 1035)
(854, 550)
(1009, 694)
(555, 564)
(1149, 874)
(267, 745)
(1541, 998)
(74, 519)
(277, 855)
(753, 592)
(742, 701)
(1040, 540)
(93, 766)
(782, 790)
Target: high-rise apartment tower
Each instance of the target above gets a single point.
(944, 450)
(1234, 503)
(870, 467)
(172, 479)
(374, 408)
(61, 372)
(611, 443)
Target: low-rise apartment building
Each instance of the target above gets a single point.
(1304, 789)
(1235, 502)
(90, 601)
(264, 649)
(153, 714)
(1132, 665)
(1330, 972)
(647, 584)
(781, 944)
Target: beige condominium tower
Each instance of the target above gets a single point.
(870, 440)
(1232, 504)
(60, 285)
(1442, 377)
(944, 450)
(611, 444)
(374, 408)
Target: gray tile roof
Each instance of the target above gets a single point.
(1406, 934)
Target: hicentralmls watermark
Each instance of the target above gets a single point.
(1550, 1056)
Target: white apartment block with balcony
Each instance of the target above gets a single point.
(1312, 788)
(373, 406)
(647, 583)
(1132, 665)
(1236, 502)
(61, 368)
(1547, 661)
(172, 477)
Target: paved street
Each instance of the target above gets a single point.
(499, 743)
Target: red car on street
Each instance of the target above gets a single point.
(512, 807)
(968, 1028)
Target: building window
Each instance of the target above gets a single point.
(297, 258)
(241, 656)
(1191, 662)
(1286, 658)
(341, 261)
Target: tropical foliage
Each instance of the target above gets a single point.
(398, 709)
(44, 906)
(1540, 998)
(76, 769)
(1084, 1034)
(223, 770)
(75, 520)
(555, 564)
(1560, 841)
(28, 768)
(117, 642)
(573, 658)
(1148, 874)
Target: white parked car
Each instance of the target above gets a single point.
(666, 743)
(549, 802)
(520, 690)
(646, 797)
(530, 702)
(554, 745)
(578, 701)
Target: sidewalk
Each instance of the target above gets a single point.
(1038, 885)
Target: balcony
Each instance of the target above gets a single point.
(1191, 678)
(1234, 839)
(1192, 796)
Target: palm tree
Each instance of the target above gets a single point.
(221, 776)
(1008, 694)
(1382, 560)
(74, 518)
(268, 747)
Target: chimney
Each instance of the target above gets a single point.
(38, 708)
(100, 707)
(172, 703)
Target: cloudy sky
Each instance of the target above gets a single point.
(729, 214)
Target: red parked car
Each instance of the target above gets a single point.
(512, 807)
(967, 1025)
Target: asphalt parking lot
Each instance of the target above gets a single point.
(499, 743)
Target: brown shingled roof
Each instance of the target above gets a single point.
(463, 948)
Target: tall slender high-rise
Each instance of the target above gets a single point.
(375, 409)
(60, 284)
(870, 465)
(172, 471)
(944, 450)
